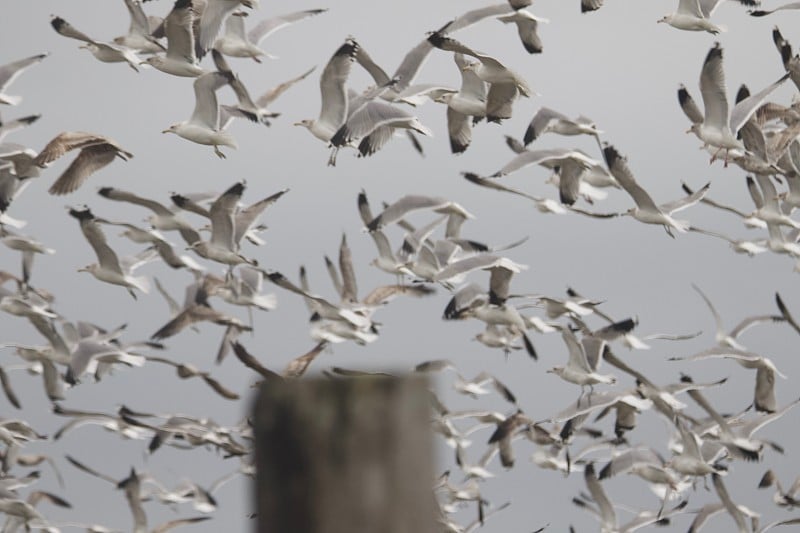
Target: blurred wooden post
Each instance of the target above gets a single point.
(344, 456)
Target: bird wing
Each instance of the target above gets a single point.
(124, 196)
(349, 291)
(268, 26)
(618, 167)
(271, 95)
(333, 112)
(717, 318)
(206, 108)
(744, 109)
(10, 71)
(712, 88)
(500, 100)
(66, 141)
(89, 160)
(222, 213)
(543, 118)
(246, 218)
(179, 30)
(68, 30)
(91, 230)
(211, 20)
(298, 366)
(688, 105)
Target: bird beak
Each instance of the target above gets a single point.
(165, 131)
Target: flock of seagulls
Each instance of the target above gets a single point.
(429, 251)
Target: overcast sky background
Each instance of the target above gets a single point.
(616, 66)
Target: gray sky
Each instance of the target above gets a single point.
(616, 66)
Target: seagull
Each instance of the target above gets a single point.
(464, 107)
(738, 440)
(213, 14)
(571, 166)
(178, 27)
(728, 340)
(109, 267)
(504, 84)
(413, 202)
(259, 106)
(693, 15)
(133, 492)
(10, 71)
(105, 52)
(764, 397)
(373, 125)
(582, 365)
(549, 120)
(719, 126)
(238, 43)
(333, 112)
(789, 498)
(646, 209)
(527, 24)
(409, 67)
(96, 152)
(203, 127)
(223, 247)
(545, 205)
(139, 36)
(163, 218)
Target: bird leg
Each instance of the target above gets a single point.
(332, 157)
(219, 152)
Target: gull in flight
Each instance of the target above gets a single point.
(96, 152)
(764, 396)
(223, 246)
(504, 84)
(782, 498)
(718, 126)
(414, 202)
(139, 36)
(180, 58)
(545, 205)
(549, 120)
(236, 42)
(105, 52)
(571, 164)
(203, 127)
(163, 218)
(10, 71)
(728, 340)
(212, 14)
(464, 107)
(693, 15)
(584, 360)
(109, 267)
(373, 124)
(527, 24)
(646, 209)
(333, 112)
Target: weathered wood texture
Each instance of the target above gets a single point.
(344, 456)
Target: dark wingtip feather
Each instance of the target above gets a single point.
(81, 214)
(529, 347)
(57, 23)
